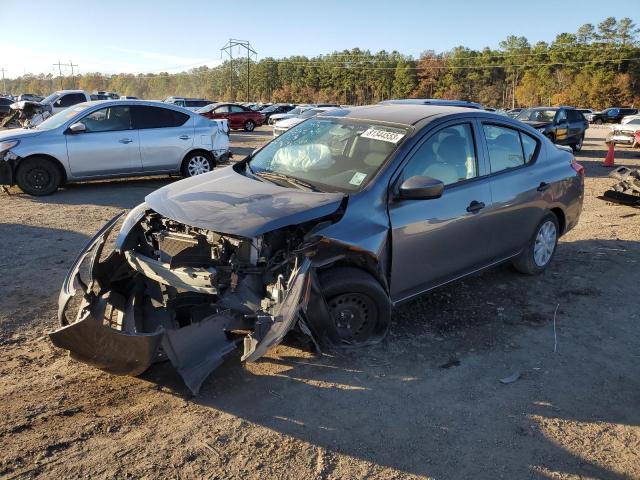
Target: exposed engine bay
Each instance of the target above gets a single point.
(186, 294)
(26, 114)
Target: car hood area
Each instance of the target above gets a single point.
(289, 122)
(18, 133)
(226, 201)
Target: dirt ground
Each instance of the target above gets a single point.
(426, 403)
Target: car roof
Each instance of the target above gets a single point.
(131, 101)
(401, 113)
(433, 101)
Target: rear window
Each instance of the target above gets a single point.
(508, 147)
(157, 117)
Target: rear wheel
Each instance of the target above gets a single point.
(540, 249)
(360, 308)
(38, 176)
(598, 121)
(197, 163)
(249, 125)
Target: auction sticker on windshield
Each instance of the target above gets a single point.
(384, 135)
(357, 178)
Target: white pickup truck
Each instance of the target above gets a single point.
(65, 98)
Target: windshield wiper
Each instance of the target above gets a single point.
(288, 179)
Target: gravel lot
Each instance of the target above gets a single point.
(426, 403)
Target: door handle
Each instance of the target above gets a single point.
(475, 206)
(543, 186)
(184, 137)
(125, 140)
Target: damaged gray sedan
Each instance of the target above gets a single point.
(324, 229)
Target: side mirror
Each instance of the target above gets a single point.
(421, 188)
(78, 128)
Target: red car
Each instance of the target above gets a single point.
(237, 116)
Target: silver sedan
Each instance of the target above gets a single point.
(110, 139)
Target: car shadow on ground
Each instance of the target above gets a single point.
(399, 403)
(33, 262)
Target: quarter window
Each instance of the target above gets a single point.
(110, 119)
(508, 148)
(448, 155)
(157, 117)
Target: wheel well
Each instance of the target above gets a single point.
(54, 160)
(200, 151)
(561, 218)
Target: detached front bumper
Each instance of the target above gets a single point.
(122, 326)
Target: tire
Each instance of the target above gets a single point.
(360, 308)
(249, 125)
(38, 176)
(598, 121)
(535, 257)
(197, 163)
(576, 147)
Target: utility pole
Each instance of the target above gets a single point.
(233, 42)
(4, 86)
(73, 79)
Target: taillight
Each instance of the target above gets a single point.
(577, 167)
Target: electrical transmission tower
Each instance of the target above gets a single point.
(60, 65)
(228, 49)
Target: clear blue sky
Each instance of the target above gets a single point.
(150, 36)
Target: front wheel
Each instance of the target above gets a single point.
(598, 121)
(539, 251)
(38, 176)
(196, 163)
(578, 146)
(360, 309)
(249, 125)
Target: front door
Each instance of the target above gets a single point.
(108, 146)
(562, 126)
(434, 241)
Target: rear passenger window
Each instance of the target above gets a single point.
(508, 148)
(448, 155)
(157, 117)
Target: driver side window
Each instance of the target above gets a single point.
(561, 117)
(110, 119)
(449, 155)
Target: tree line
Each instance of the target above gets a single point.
(597, 66)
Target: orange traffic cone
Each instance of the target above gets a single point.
(609, 161)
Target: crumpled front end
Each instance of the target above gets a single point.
(189, 295)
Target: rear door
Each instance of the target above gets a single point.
(166, 136)
(108, 147)
(576, 125)
(437, 240)
(517, 185)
